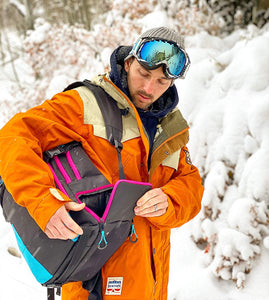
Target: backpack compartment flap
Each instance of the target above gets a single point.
(123, 200)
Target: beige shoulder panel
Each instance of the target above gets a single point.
(92, 113)
(93, 116)
(172, 160)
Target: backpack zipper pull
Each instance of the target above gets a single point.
(103, 242)
(133, 233)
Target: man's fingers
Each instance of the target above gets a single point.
(154, 210)
(68, 221)
(61, 225)
(70, 224)
(49, 232)
(60, 232)
(52, 231)
(157, 213)
(154, 203)
(148, 196)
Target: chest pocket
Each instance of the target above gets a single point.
(93, 116)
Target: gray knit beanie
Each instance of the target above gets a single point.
(164, 33)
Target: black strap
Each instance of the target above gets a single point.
(112, 116)
(73, 85)
(50, 294)
(94, 287)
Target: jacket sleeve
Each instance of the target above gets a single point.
(184, 192)
(22, 142)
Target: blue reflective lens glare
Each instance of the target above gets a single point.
(152, 53)
(156, 52)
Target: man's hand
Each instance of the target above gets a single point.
(61, 225)
(154, 203)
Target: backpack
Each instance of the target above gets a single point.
(106, 220)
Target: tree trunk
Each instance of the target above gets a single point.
(87, 14)
(11, 58)
(29, 15)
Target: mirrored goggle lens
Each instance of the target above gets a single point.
(156, 52)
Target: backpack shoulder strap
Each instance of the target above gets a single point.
(111, 114)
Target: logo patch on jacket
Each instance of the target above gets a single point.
(114, 285)
(188, 158)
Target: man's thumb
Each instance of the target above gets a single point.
(74, 206)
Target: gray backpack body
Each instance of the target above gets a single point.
(106, 219)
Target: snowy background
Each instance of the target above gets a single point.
(223, 253)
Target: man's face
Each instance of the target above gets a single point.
(145, 86)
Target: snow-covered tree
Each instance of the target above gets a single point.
(238, 13)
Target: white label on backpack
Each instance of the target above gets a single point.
(114, 285)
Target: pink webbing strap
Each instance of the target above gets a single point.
(62, 170)
(73, 166)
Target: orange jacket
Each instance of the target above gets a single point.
(74, 115)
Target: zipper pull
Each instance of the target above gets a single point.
(133, 233)
(103, 242)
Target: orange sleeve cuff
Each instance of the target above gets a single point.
(48, 206)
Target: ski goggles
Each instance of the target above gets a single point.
(153, 53)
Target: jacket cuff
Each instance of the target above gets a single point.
(162, 222)
(48, 206)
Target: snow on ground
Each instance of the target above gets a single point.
(225, 98)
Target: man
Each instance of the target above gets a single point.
(154, 150)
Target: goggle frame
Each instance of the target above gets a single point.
(136, 53)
